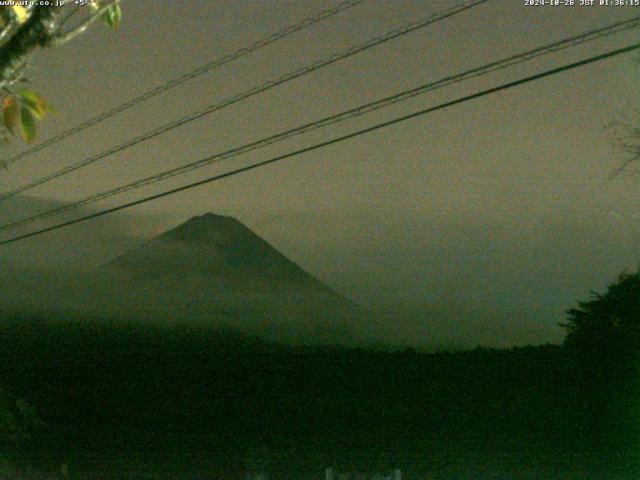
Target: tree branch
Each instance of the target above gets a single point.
(75, 10)
(36, 31)
(63, 38)
(9, 30)
(13, 26)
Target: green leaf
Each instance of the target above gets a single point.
(36, 113)
(113, 15)
(34, 102)
(11, 113)
(27, 94)
(27, 124)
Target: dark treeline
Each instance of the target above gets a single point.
(122, 397)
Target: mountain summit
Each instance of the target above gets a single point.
(214, 245)
(213, 268)
(207, 227)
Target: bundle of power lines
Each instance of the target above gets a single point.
(589, 36)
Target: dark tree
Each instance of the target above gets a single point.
(608, 324)
(604, 334)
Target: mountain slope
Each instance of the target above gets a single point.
(214, 269)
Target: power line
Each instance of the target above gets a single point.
(333, 141)
(340, 117)
(219, 62)
(246, 94)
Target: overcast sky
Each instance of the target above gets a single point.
(479, 223)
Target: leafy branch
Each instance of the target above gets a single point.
(110, 13)
(22, 30)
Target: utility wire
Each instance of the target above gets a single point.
(333, 141)
(340, 117)
(219, 62)
(246, 94)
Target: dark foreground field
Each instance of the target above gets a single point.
(124, 401)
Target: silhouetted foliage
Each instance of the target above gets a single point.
(604, 336)
(608, 325)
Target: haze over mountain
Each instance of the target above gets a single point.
(445, 280)
(212, 270)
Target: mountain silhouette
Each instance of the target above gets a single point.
(213, 268)
(212, 245)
